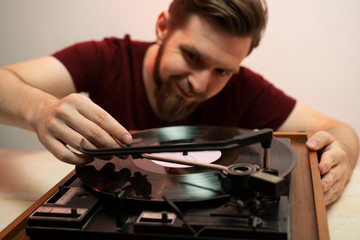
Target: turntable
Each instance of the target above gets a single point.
(190, 182)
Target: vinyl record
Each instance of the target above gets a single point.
(148, 180)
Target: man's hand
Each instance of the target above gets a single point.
(62, 123)
(335, 168)
(337, 142)
(39, 95)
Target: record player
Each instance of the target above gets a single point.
(187, 182)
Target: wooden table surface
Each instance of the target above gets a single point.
(25, 176)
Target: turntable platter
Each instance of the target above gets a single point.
(146, 180)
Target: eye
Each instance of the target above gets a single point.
(222, 72)
(191, 56)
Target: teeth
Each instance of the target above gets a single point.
(184, 85)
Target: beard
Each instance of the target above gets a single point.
(170, 106)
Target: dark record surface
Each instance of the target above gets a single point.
(144, 179)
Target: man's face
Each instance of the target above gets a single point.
(193, 64)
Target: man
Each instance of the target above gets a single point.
(190, 75)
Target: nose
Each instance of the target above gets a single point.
(199, 80)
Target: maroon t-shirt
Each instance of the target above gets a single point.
(111, 72)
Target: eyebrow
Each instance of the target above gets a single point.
(194, 50)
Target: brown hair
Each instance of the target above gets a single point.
(238, 17)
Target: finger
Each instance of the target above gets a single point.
(327, 181)
(69, 114)
(74, 145)
(319, 140)
(333, 193)
(73, 139)
(61, 152)
(124, 156)
(104, 120)
(92, 132)
(332, 156)
(326, 162)
(333, 183)
(327, 185)
(60, 138)
(323, 141)
(59, 130)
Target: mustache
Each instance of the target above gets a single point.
(184, 83)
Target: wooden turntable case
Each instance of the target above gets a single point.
(308, 214)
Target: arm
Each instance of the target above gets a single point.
(38, 95)
(337, 141)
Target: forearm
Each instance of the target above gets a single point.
(19, 101)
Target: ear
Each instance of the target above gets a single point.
(162, 27)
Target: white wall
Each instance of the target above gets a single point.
(310, 49)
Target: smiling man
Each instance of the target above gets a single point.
(190, 75)
(192, 64)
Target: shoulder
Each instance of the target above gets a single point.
(104, 47)
(247, 83)
(249, 78)
(125, 44)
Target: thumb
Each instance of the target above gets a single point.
(319, 140)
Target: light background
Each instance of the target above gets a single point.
(310, 48)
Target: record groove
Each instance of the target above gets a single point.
(143, 179)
